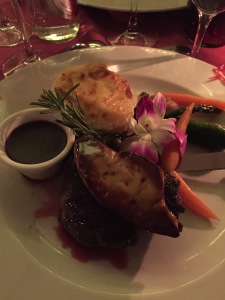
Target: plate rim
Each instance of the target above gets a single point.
(7, 80)
(118, 5)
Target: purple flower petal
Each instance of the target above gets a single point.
(159, 105)
(145, 105)
(168, 124)
(162, 137)
(182, 137)
(146, 149)
(151, 131)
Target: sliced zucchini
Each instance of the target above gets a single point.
(206, 134)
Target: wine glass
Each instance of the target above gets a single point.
(207, 10)
(132, 35)
(28, 55)
(10, 34)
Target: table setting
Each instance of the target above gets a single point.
(147, 48)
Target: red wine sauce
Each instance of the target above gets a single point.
(117, 257)
(50, 208)
(35, 142)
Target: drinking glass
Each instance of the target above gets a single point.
(207, 10)
(55, 20)
(10, 34)
(215, 33)
(28, 55)
(132, 35)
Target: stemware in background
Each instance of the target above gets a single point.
(55, 20)
(132, 35)
(215, 33)
(28, 55)
(10, 34)
(207, 10)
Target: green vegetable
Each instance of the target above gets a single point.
(202, 108)
(206, 134)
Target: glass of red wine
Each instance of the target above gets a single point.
(215, 33)
(207, 10)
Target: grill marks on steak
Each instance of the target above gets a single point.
(87, 221)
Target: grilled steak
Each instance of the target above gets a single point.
(91, 224)
(87, 221)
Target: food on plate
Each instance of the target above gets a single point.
(35, 142)
(185, 100)
(201, 108)
(106, 99)
(120, 172)
(200, 132)
(192, 201)
(86, 220)
(170, 156)
(128, 184)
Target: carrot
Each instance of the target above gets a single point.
(170, 156)
(186, 99)
(192, 201)
(184, 119)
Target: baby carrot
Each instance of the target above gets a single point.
(186, 99)
(170, 156)
(192, 201)
(184, 119)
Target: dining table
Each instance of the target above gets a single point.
(97, 24)
(98, 27)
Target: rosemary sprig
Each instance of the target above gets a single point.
(72, 115)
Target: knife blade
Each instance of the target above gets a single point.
(203, 162)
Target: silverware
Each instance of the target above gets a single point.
(203, 162)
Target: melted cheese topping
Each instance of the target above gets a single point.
(106, 98)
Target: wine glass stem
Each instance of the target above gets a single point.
(204, 20)
(21, 20)
(133, 22)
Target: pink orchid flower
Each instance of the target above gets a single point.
(149, 131)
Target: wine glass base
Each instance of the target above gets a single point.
(21, 60)
(135, 39)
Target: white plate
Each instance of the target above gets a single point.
(34, 264)
(143, 5)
